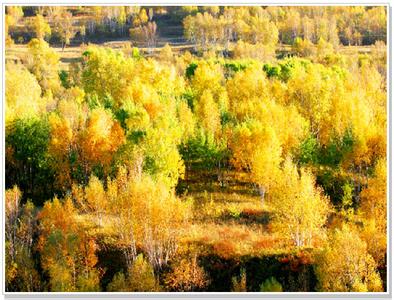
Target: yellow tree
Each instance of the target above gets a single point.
(209, 76)
(60, 146)
(252, 95)
(43, 62)
(100, 140)
(187, 121)
(67, 253)
(40, 27)
(300, 208)
(310, 88)
(207, 112)
(248, 91)
(64, 27)
(22, 94)
(148, 213)
(256, 148)
(80, 142)
(92, 198)
(12, 17)
(166, 54)
(20, 221)
(140, 278)
(263, 31)
(374, 209)
(259, 51)
(344, 265)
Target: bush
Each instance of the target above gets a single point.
(271, 285)
(304, 48)
(141, 278)
(256, 51)
(239, 284)
(187, 276)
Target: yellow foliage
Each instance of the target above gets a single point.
(257, 51)
(142, 277)
(256, 147)
(344, 265)
(22, 94)
(374, 210)
(209, 76)
(43, 62)
(187, 276)
(300, 208)
(187, 121)
(207, 112)
(101, 138)
(148, 214)
(41, 27)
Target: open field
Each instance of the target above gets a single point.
(74, 53)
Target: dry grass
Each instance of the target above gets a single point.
(233, 240)
(231, 221)
(70, 54)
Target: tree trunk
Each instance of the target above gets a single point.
(262, 194)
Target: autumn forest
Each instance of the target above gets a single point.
(195, 148)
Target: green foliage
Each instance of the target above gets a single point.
(189, 98)
(272, 71)
(331, 182)
(136, 53)
(142, 277)
(203, 153)
(122, 115)
(271, 285)
(334, 153)
(118, 283)
(89, 282)
(232, 67)
(309, 151)
(28, 163)
(190, 70)
(347, 198)
(64, 79)
(285, 68)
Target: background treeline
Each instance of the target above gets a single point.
(202, 25)
(181, 172)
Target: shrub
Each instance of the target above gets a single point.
(271, 285)
(187, 276)
(239, 284)
(140, 278)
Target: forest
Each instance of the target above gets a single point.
(195, 149)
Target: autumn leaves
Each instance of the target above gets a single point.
(116, 136)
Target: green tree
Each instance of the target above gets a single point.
(27, 160)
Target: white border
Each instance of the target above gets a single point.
(119, 295)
